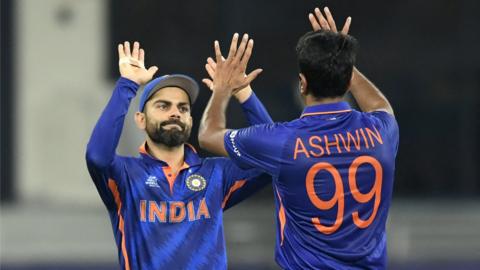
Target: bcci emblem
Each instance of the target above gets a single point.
(196, 182)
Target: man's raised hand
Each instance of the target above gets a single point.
(230, 72)
(241, 95)
(320, 22)
(132, 63)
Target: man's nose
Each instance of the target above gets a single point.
(175, 113)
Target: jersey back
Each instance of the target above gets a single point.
(333, 174)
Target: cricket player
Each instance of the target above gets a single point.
(166, 205)
(332, 168)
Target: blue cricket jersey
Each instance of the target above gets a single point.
(161, 220)
(333, 171)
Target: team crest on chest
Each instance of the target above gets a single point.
(196, 182)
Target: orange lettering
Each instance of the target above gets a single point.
(143, 210)
(364, 138)
(355, 142)
(377, 136)
(337, 199)
(157, 212)
(203, 209)
(360, 197)
(318, 146)
(327, 144)
(191, 211)
(298, 150)
(174, 216)
(343, 141)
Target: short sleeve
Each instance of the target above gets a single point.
(386, 124)
(259, 147)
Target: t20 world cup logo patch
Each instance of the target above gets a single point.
(196, 182)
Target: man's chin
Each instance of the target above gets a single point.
(168, 142)
(170, 138)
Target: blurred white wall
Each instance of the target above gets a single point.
(62, 88)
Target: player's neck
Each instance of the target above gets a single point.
(173, 156)
(312, 101)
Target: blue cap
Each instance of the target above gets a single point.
(184, 82)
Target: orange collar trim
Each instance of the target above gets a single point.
(321, 113)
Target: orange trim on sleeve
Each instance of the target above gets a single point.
(238, 184)
(121, 224)
(281, 217)
(320, 113)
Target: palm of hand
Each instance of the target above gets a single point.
(135, 71)
(132, 65)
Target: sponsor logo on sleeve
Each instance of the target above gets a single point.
(232, 140)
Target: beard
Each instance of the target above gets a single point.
(170, 137)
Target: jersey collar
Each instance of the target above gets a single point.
(191, 156)
(328, 108)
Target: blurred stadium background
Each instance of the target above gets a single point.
(58, 67)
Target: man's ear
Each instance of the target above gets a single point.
(303, 84)
(140, 120)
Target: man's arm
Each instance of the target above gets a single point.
(106, 134)
(100, 154)
(213, 124)
(229, 78)
(259, 146)
(367, 95)
(252, 107)
(236, 188)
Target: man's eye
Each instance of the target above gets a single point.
(162, 106)
(184, 109)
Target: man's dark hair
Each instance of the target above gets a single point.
(326, 59)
